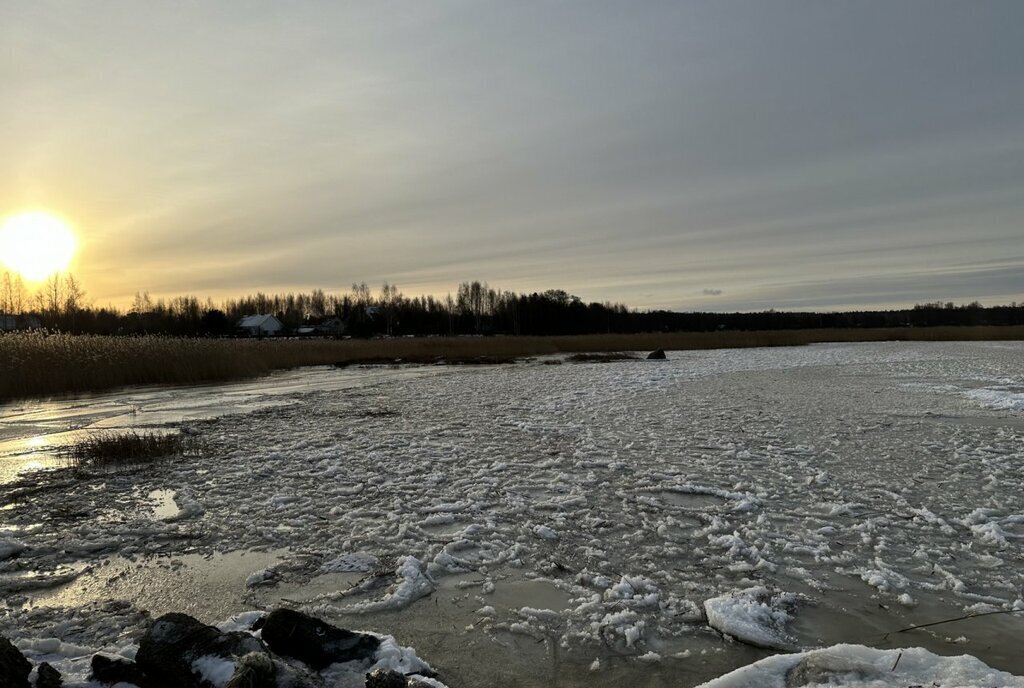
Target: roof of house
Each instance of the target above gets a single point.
(259, 321)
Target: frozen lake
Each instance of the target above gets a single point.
(538, 524)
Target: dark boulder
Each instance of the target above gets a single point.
(107, 669)
(174, 641)
(293, 676)
(14, 668)
(48, 677)
(314, 642)
(235, 644)
(657, 355)
(170, 645)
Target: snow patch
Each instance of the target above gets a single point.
(216, 670)
(856, 666)
(412, 584)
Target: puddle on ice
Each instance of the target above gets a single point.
(165, 507)
(515, 593)
(325, 586)
(167, 584)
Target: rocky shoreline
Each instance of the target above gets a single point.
(282, 649)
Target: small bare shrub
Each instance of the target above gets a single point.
(116, 449)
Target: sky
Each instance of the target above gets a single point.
(685, 155)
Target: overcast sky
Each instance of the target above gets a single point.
(687, 155)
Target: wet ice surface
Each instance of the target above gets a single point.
(520, 525)
(32, 433)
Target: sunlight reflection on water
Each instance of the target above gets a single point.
(33, 432)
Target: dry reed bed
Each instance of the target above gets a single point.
(118, 449)
(36, 364)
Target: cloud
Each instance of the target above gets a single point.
(456, 141)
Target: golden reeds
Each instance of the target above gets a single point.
(38, 364)
(111, 449)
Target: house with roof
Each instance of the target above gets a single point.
(331, 327)
(260, 326)
(10, 323)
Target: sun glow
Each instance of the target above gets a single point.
(36, 245)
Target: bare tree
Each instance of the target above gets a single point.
(317, 304)
(390, 298)
(18, 296)
(361, 295)
(142, 303)
(475, 299)
(7, 295)
(449, 306)
(74, 296)
(53, 293)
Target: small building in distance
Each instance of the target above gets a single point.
(260, 326)
(10, 323)
(332, 327)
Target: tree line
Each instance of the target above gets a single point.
(476, 308)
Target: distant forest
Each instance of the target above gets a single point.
(61, 304)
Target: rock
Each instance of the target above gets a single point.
(170, 645)
(254, 670)
(235, 644)
(657, 355)
(48, 677)
(174, 641)
(314, 642)
(296, 676)
(388, 678)
(14, 668)
(107, 669)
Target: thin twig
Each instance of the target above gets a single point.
(959, 618)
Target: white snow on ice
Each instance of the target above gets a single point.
(856, 666)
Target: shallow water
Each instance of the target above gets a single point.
(207, 586)
(33, 433)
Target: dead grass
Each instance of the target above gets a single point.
(116, 449)
(601, 358)
(33, 364)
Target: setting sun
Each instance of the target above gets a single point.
(36, 245)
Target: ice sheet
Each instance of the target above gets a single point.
(861, 478)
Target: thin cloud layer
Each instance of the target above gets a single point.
(795, 155)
